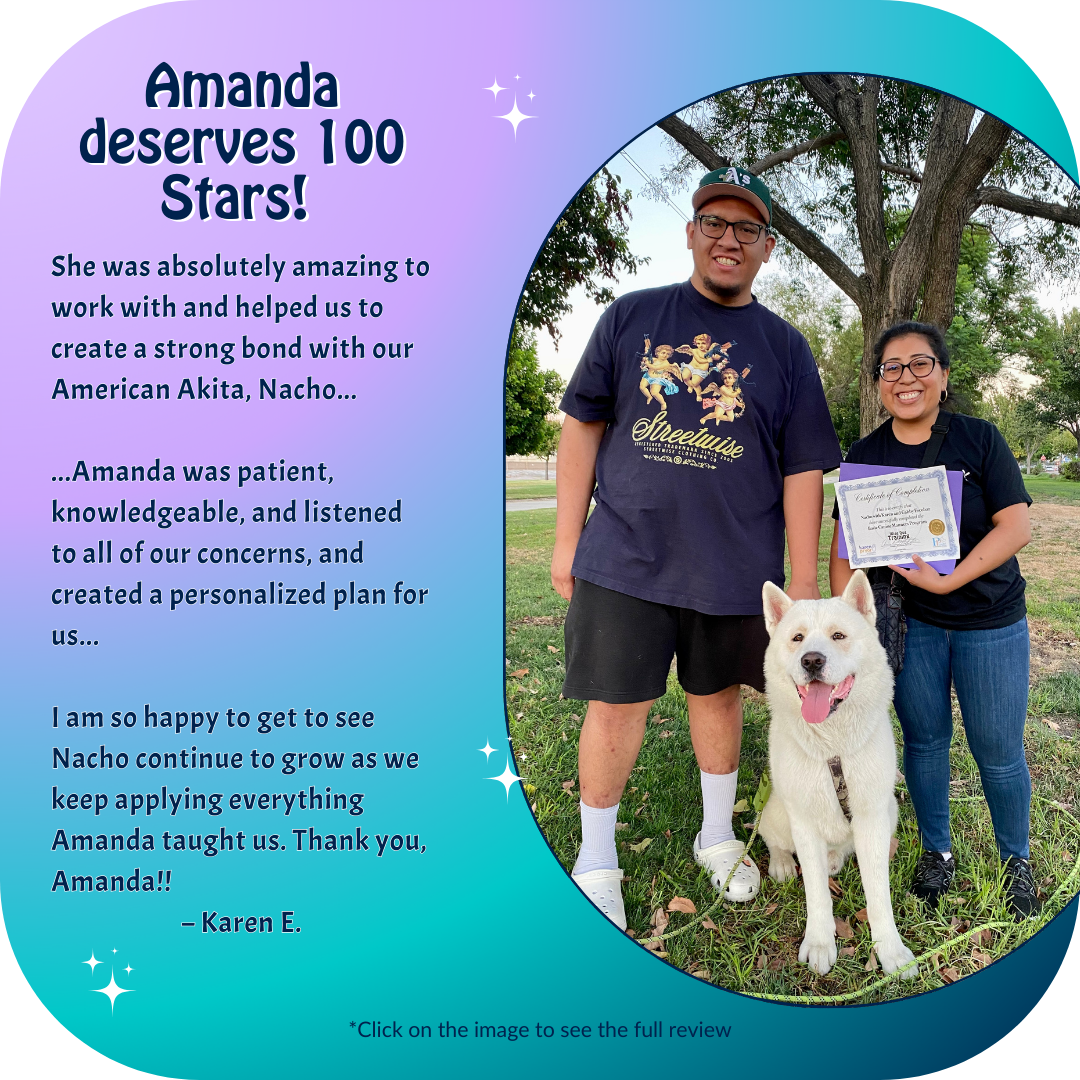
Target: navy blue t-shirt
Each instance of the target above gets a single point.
(708, 409)
(992, 481)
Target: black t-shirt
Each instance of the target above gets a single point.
(708, 409)
(992, 481)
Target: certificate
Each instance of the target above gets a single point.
(890, 518)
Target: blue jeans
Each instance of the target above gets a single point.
(989, 669)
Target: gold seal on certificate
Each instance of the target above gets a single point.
(891, 517)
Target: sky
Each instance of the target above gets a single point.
(657, 231)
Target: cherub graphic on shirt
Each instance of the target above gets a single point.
(728, 404)
(705, 356)
(659, 373)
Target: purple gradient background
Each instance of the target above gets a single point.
(468, 930)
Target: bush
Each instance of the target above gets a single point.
(1071, 471)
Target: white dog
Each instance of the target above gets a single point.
(830, 743)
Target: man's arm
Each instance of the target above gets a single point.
(575, 478)
(803, 502)
(840, 572)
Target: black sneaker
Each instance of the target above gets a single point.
(1020, 895)
(933, 876)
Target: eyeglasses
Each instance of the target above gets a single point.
(746, 232)
(919, 366)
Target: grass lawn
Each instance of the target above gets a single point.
(752, 948)
(1053, 489)
(531, 489)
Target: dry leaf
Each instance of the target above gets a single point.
(740, 807)
(770, 909)
(667, 833)
(982, 937)
(665, 734)
(835, 888)
(871, 964)
(708, 924)
(981, 958)
(567, 785)
(843, 927)
(520, 671)
(893, 845)
(847, 950)
(683, 904)
(551, 648)
(659, 920)
(639, 848)
(900, 777)
(862, 916)
(776, 963)
(1051, 725)
(621, 825)
(701, 974)
(631, 932)
(762, 960)
(949, 975)
(660, 720)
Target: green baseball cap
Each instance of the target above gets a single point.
(734, 182)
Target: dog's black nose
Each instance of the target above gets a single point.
(813, 662)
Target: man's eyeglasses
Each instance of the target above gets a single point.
(919, 366)
(746, 232)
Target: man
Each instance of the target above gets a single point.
(689, 521)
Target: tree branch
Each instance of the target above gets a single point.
(806, 241)
(1020, 204)
(792, 152)
(902, 170)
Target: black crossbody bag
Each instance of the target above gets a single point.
(891, 622)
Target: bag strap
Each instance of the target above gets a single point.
(937, 437)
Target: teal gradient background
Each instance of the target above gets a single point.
(484, 925)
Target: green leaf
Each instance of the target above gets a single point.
(761, 796)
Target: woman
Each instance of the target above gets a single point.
(967, 628)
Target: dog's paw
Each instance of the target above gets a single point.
(836, 861)
(820, 955)
(893, 956)
(781, 865)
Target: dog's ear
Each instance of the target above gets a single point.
(860, 596)
(776, 603)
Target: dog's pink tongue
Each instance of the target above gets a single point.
(816, 701)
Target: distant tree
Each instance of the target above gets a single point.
(549, 443)
(849, 157)
(1031, 430)
(531, 394)
(1057, 397)
(1018, 419)
(586, 246)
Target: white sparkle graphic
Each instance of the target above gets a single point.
(114, 952)
(530, 95)
(487, 749)
(495, 87)
(112, 991)
(515, 116)
(517, 76)
(93, 961)
(129, 969)
(507, 779)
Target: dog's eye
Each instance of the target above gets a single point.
(838, 636)
(797, 637)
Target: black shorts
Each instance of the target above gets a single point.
(619, 648)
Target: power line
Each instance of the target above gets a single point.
(655, 185)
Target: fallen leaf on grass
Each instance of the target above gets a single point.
(639, 848)
(770, 909)
(621, 825)
(843, 927)
(862, 916)
(568, 785)
(1051, 725)
(551, 648)
(776, 963)
(518, 674)
(683, 904)
(847, 950)
(700, 974)
(659, 921)
(981, 958)
(665, 734)
(835, 887)
(762, 960)
(1067, 856)
(949, 975)
(740, 807)
(708, 924)
(893, 845)
(871, 964)
(530, 788)
(955, 783)
(660, 720)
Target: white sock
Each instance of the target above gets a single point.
(946, 855)
(597, 840)
(717, 801)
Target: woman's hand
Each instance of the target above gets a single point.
(926, 577)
